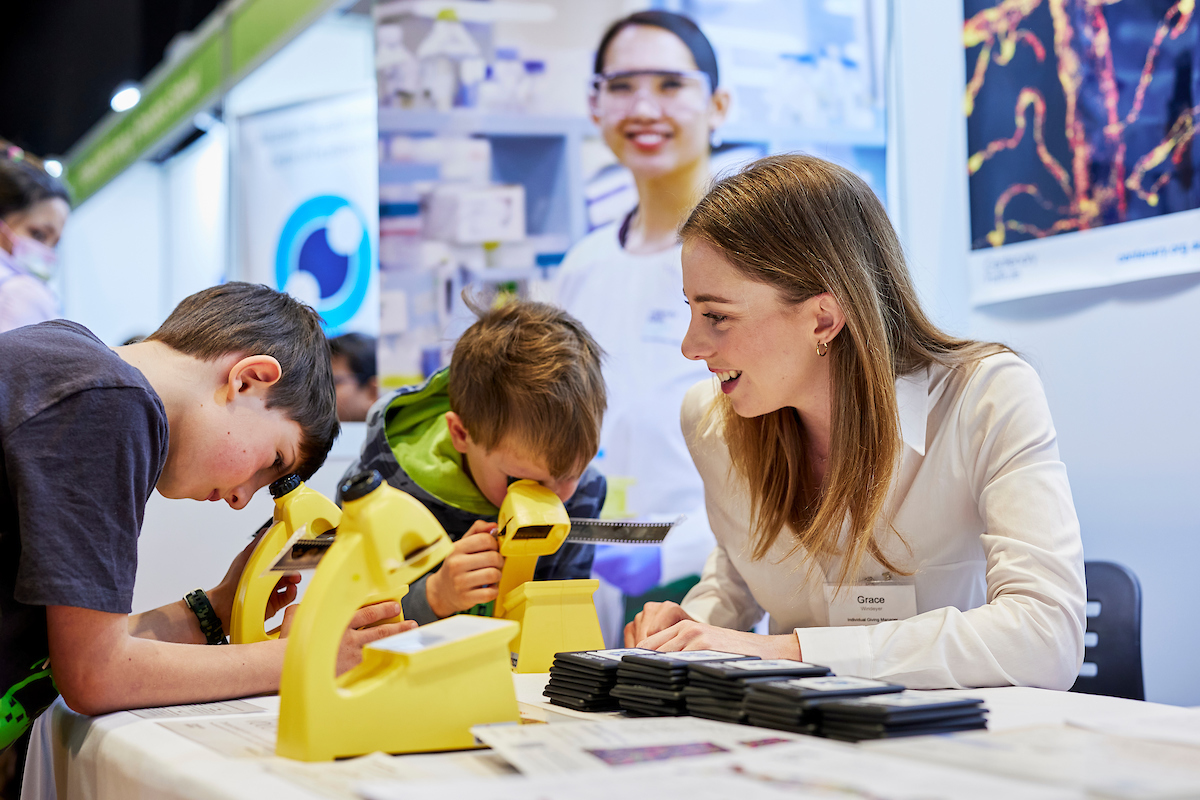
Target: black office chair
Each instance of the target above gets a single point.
(1112, 655)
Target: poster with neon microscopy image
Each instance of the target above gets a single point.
(1082, 161)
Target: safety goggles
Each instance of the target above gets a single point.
(616, 93)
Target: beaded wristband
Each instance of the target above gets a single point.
(210, 623)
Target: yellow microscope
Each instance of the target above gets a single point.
(417, 691)
(555, 616)
(296, 507)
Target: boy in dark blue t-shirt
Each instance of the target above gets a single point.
(232, 392)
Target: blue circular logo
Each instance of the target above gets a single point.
(324, 257)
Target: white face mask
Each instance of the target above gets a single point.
(30, 255)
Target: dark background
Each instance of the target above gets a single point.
(60, 61)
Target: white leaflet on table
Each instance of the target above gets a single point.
(1182, 728)
(1110, 765)
(234, 737)
(340, 779)
(811, 769)
(587, 746)
(220, 709)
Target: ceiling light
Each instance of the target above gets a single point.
(125, 97)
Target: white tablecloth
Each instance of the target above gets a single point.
(122, 756)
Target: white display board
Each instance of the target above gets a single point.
(308, 207)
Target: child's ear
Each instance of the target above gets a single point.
(254, 374)
(458, 432)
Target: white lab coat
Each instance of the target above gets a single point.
(634, 307)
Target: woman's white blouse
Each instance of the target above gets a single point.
(982, 502)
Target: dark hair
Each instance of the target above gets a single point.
(251, 319)
(359, 351)
(23, 181)
(528, 375)
(687, 31)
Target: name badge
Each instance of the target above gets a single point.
(870, 603)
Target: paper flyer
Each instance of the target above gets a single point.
(197, 710)
(1108, 765)
(237, 737)
(813, 769)
(585, 746)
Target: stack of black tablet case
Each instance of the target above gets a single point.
(716, 690)
(903, 714)
(583, 680)
(651, 684)
(793, 705)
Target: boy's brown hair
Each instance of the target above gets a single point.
(251, 319)
(528, 375)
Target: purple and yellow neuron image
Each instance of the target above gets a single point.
(1080, 114)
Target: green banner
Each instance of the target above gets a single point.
(186, 90)
(257, 27)
(237, 43)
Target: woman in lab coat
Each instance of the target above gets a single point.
(891, 495)
(33, 210)
(656, 99)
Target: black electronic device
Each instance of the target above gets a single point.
(582, 680)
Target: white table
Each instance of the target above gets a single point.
(122, 756)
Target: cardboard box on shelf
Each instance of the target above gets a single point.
(476, 214)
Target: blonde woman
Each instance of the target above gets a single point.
(892, 496)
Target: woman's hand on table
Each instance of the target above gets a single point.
(366, 626)
(653, 617)
(692, 635)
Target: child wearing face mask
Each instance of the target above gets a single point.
(34, 207)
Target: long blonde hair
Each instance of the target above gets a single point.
(806, 227)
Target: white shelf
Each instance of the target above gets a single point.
(777, 137)
(470, 121)
(503, 274)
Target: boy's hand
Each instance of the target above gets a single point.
(469, 575)
(360, 633)
(222, 595)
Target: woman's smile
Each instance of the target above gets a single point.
(728, 377)
(648, 141)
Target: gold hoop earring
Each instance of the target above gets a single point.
(822, 353)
